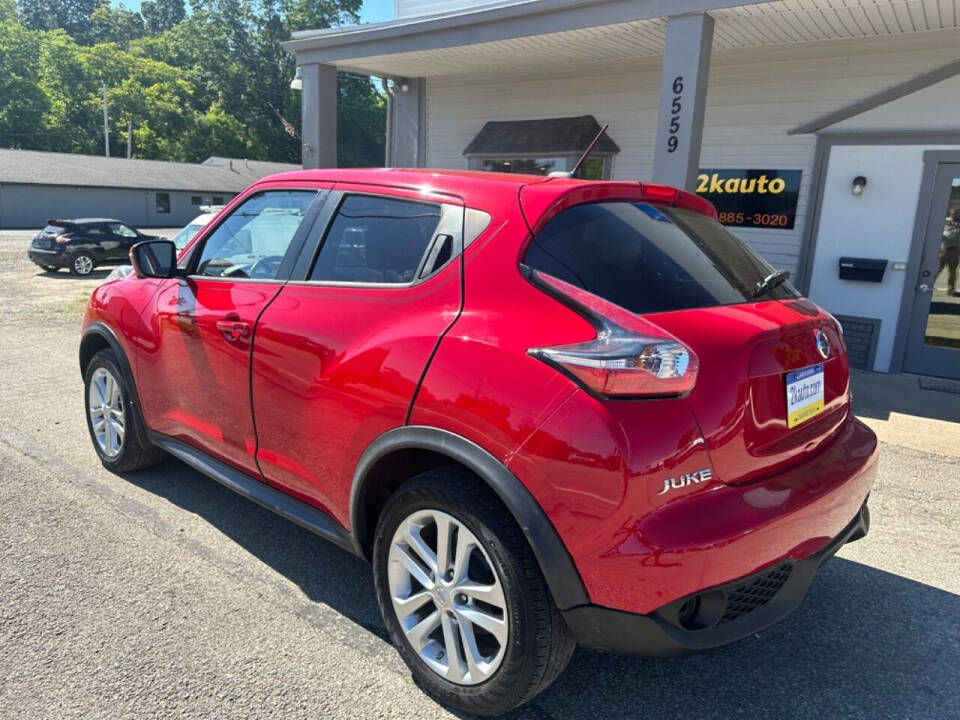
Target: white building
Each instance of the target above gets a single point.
(816, 93)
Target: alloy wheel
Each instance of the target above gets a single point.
(107, 416)
(83, 264)
(447, 597)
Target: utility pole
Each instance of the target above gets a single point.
(129, 138)
(106, 129)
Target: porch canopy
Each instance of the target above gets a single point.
(500, 37)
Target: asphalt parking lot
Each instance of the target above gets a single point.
(162, 594)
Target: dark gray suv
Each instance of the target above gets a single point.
(82, 244)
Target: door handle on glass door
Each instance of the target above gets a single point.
(232, 328)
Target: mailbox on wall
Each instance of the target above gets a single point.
(862, 269)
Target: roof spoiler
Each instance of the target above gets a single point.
(541, 201)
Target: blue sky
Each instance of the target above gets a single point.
(372, 10)
(376, 10)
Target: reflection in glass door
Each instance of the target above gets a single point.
(943, 320)
(933, 344)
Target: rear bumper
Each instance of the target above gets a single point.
(712, 617)
(644, 559)
(46, 257)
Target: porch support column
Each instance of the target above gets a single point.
(318, 127)
(406, 134)
(683, 95)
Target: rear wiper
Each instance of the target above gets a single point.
(771, 281)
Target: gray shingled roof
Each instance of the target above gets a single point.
(550, 135)
(215, 174)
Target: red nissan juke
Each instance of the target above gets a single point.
(548, 411)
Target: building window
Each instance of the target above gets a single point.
(217, 200)
(196, 200)
(540, 147)
(594, 167)
(163, 203)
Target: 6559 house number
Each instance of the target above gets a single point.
(673, 141)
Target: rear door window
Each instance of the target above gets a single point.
(650, 259)
(376, 239)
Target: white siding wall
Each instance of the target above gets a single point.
(755, 96)
(410, 8)
(878, 224)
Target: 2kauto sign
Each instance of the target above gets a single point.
(752, 198)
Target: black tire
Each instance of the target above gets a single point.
(82, 263)
(136, 452)
(540, 643)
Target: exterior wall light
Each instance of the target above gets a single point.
(859, 183)
(297, 82)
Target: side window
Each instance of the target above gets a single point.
(252, 240)
(163, 202)
(376, 240)
(121, 230)
(96, 230)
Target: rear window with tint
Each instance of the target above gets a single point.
(650, 259)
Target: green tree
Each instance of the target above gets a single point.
(24, 106)
(74, 16)
(115, 24)
(160, 15)
(214, 82)
(8, 10)
(65, 80)
(361, 122)
(152, 95)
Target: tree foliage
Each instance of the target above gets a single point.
(214, 81)
(161, 15)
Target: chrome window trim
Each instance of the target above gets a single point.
(216, 278)
(344, 283)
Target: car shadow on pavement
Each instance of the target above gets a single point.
(864, 644)
(98, 274)
(323, 571)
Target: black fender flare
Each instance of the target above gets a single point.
(555, 562)
(104, 332)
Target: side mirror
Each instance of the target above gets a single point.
(154, 259)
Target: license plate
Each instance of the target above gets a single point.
(804, 394)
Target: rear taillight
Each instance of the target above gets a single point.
(630, 357)
(64, 238)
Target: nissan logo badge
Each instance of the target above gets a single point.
(823, 344)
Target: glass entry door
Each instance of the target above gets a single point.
(933, 342)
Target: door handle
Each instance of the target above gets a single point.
(232, 328)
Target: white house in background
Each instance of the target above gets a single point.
(826, 131)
